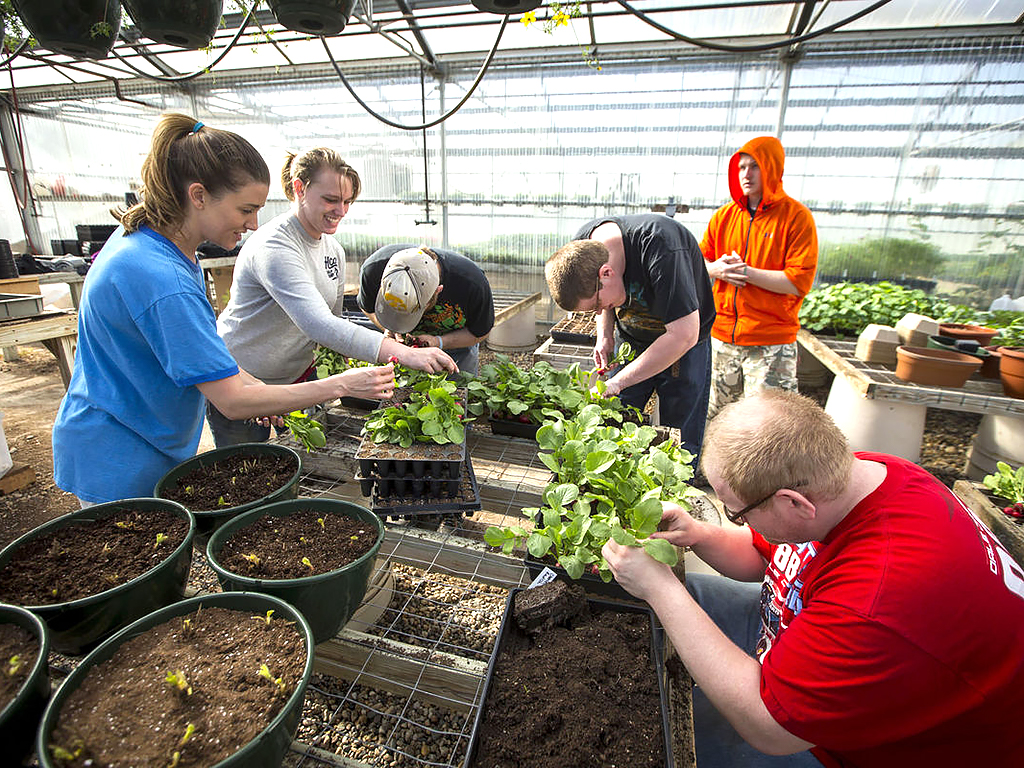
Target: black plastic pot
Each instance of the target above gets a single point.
(20, 718)
(79, 625)
(71, 28)
(508, 627)
(327, 600)
(513, 428)
(314, 17)
(267, 750)
(209, 520)
(183, 23)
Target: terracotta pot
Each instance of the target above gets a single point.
(990, 367)
(934, 367)
(1011, 371)
(979, 333)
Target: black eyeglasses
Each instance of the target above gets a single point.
(734, 517)
(597, 294)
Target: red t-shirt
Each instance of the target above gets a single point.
(906, 642)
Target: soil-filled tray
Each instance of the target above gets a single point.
(523, 429)
(464, 498)
(553, 680)
(576, 328)
(419, 460)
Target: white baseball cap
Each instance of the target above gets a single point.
(407, 288)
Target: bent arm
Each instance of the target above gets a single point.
(679, 338)
(241, 396)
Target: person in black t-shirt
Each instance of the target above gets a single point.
(645, 278)
(452, 309)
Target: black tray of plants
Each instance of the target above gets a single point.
(513, 639)
(527, 429)
(412, 497)
(576, 328)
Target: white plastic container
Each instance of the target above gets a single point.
(914, 329)
(877, 344)
(6, 462)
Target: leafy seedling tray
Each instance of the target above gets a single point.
(419, 460)
(466, 497)
(577, 328)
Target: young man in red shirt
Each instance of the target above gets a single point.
(894, 640)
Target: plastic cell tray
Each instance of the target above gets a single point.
(513, 428)
(14, 305)
(459, 497)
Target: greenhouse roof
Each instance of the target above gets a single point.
(433, 32)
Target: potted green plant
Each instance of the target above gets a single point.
(314, 17)
(326, 596)
(215, 679)
(217, 485)
(26, 671)
(84, 29)
(182, 23)
(77, 624)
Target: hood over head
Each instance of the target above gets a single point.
(770, 157)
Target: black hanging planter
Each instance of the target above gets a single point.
(85, 29)
(314, 17)
(182, 23)
(506, 7)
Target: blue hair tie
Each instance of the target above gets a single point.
(196, 127)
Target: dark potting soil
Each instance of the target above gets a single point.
(18, 651)
(274, 547)
(575, 697)
(230, 482)
(127, 713)
(90, 557)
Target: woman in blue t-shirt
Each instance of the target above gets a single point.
(148, 351)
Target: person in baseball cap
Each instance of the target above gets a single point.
(408, 287)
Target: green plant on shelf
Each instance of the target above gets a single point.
(609, 482)
(431, 414)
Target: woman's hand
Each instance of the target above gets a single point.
(375, 383)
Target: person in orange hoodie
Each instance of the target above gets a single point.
(761, 251)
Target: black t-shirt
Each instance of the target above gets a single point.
(665, 277)
(465, 300)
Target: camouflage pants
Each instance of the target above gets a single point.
(738, 372)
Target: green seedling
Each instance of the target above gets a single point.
(177, 681)
(221, 502)
(323, 523)
(13, 665)
(265, 619)
(160, 539)
(305, 430)
(123, 525)
(302, 539)
(252, 557)
(265, 672)
(176, 756)
(354, 538)
(64, 754)
(189, 490)
(308, 564)
(186, 626)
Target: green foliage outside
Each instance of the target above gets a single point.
(880, 257)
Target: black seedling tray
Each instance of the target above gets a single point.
(419, 460)
(513, 428)
(465, 498)
(575, 329)
(360, 403)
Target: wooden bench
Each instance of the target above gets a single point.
(57, 330)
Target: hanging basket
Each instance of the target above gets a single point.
(314, 17)
(182, 23)
(85, 29)
(507, 7)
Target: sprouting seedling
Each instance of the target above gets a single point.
(13, 665)
(186, 626)
(124, 525)
(106, 548)
(64, 754)
(252, 557)
(177, 681)
(53, 591)
(265, 672)
(354, 537)
(176, 756)
(305, 562)
(323, 525)
(302, 539)
(221, 502)
(266, 618)
(160, 539)
(189, 490)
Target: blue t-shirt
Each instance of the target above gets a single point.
(146, 336)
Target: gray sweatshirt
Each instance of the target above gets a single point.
(285, 292)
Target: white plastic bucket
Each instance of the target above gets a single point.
(6, 462)
(999, 438)
(885, 426)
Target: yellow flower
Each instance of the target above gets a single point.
(561, 19)
(528, 18)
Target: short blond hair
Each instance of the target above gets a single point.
(572, 272)
(777, 439)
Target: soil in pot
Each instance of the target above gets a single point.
(18, 653)
(581, 693)
(91, 557)
(276, 547)
(197, 675)
(231, 482)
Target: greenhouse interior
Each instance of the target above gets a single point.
(348, 251)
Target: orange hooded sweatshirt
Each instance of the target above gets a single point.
(780, 235)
